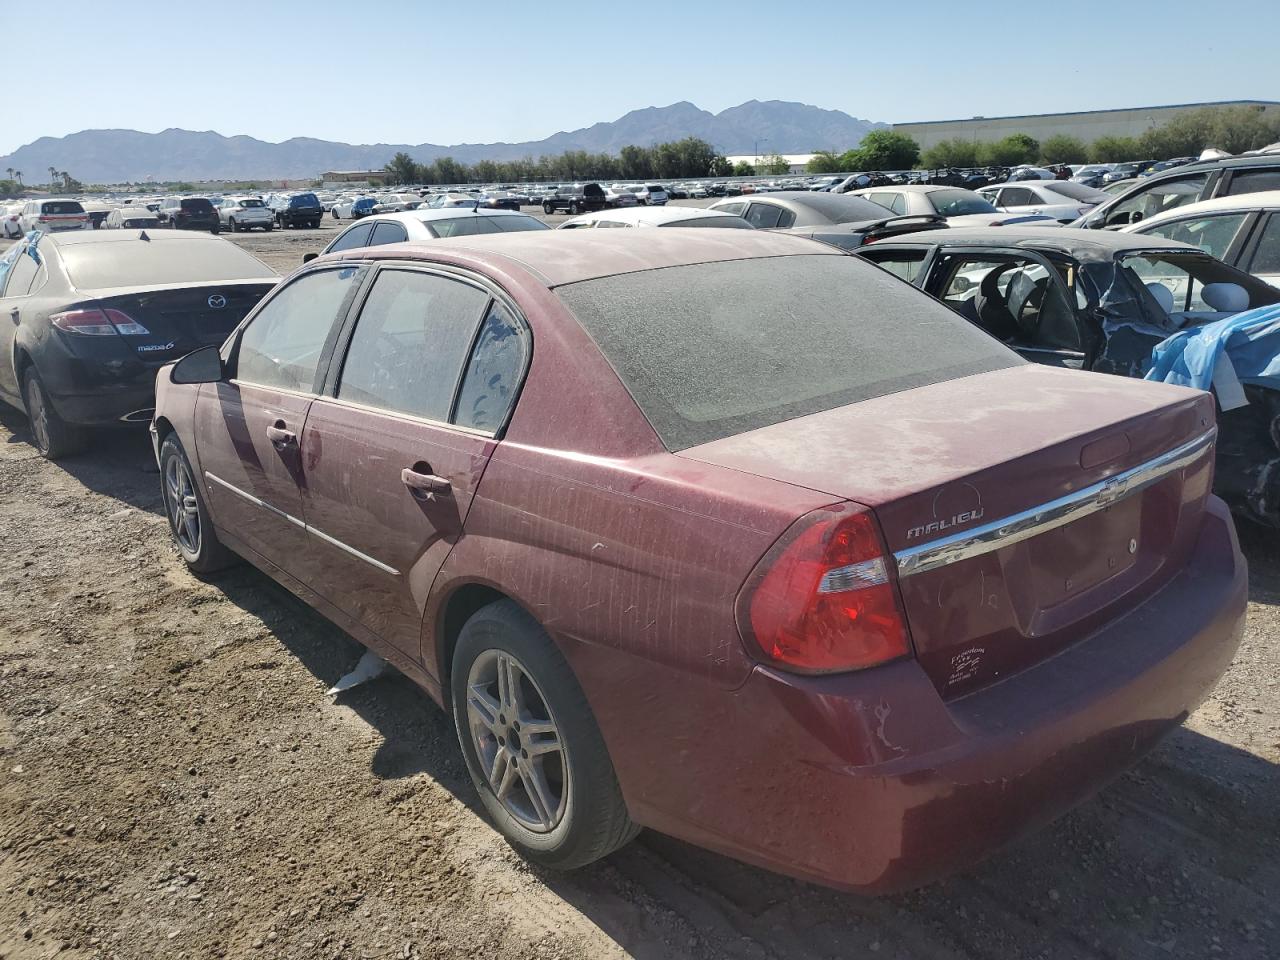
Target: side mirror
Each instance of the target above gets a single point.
(198, 366)
(308, 257)
(1123, 218)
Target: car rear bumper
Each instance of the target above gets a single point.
(870, 781)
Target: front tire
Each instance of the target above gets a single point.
(548, 209)
(531, 744)
(188, 515)
(52, 436)
(235, 227)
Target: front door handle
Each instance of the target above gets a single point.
(279, 435)
(14, 315)
(422, 483)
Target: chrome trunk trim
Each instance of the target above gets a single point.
(1009, 530)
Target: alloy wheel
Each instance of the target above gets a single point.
(181, 504)
(517, 741)
(38, 412)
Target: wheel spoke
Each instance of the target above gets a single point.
(483, 707)
(502, 774)
(539, 791)
(540, 737)
(508, 684)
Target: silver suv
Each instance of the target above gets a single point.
(245, 213)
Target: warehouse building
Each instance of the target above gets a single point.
(1087, 125)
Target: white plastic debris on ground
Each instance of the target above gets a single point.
(370, 667)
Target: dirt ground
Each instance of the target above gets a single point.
(174, 783)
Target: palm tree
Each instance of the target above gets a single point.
(53, 177)
(65, 178)
(17, 175)
(9, 171)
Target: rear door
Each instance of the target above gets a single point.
(248, 428)
(396, 447)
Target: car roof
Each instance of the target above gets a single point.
(76, 238)
(667, 214)
(1083, 244)
(424, 214)
(1263, 199)
(558, 257)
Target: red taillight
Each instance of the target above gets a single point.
(44, 219)
(823, 599)
(97, 323)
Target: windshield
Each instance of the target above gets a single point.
(959, 203)
(733, 223)
(690, 345)
(1075, 191)
(472, 224)
(191, 259)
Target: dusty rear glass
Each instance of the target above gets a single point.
(711, 350)
(61, 207)
(141, 262)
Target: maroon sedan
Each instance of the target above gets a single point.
(729, 535)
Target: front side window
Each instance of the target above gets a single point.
(411, 342)
(282, 344)
(1017, 197)
(493, 372)
(1253, 181)
(1213, 234)
(357, 236)
(1166, 195)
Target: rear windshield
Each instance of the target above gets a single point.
(656, 189)
(469, 225)
(1075, 191)
(711, 350)
(128, 263)
(61, 206)
(733, 223)
(197, 205)
(253, 202)
(304, 200)
(840, 208)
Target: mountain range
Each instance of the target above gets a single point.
(117, 156)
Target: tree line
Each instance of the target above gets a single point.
(690, 157)
(1233, 129)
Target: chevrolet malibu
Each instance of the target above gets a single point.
(721, 533)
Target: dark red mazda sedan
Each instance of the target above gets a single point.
(728, 535)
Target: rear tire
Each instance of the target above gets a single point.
(235, 227)
(52, 436)
(187, 513)
(548, 209)
(540, 705)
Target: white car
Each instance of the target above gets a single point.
(1241, 230)
(960, 207)
(11, 221)
(343, 209)
(620, 197)
(665, 216)
(245, 213)
(428, 224)
(1062, 200)
(132, 217)
(53, 215)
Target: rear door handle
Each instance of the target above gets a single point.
(427, 484)
(280, 436)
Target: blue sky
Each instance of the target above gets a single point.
(399, 71)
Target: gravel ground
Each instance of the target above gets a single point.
(175, 783)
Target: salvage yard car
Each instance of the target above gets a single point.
(53, 215)
(1061, 200)
(296, 210)
(663, 216)
(855, 593)
(426, 224)
(1102, 302)
(92, 315)
(841, 219)
(189, 213)
(245, 213)
(960, 207)
(131, 218)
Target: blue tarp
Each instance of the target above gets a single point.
(1244, 348)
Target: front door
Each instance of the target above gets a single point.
(248, 429)
(393, 457)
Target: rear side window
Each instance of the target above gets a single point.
(282, 344)
(715, 349)
(1266, 258)
(411, 342)
(763, 215)
(1213, 234)
(1253, 181)
(493, 373)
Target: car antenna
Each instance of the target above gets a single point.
(142, 235)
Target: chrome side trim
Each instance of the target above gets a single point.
(354, 552)
(992, 536)
(301, 525)
(255, 501)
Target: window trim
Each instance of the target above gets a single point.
(1240, 240)
(337, 359)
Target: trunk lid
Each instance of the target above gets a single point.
(181, 319)
(1055, 467)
